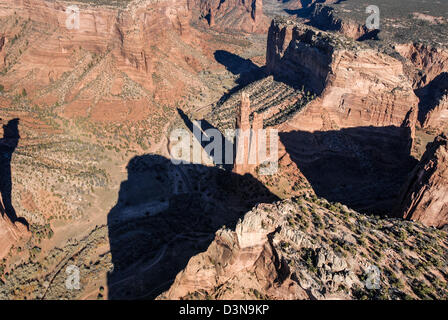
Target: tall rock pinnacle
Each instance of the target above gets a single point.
(247, 158)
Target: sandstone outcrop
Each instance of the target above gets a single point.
(355, 85)
(425, 195)
(359, 124)
(434, 113)
(239, 15)
(247, 140)
(423, 48)
(428, 67)
(298, 249)
(428, 61)
(66, 66)
(399, 22)
(346, 113)
(327, 81)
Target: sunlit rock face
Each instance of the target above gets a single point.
(237, 15)
(425, 195)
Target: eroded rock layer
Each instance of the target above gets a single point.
(112, 55)
(407, 21)
(346, 113)
(130, 56)
(425, 195)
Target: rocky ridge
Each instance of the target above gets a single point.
(88, 99)
(236, 15)
(307, 248)
(355, 85)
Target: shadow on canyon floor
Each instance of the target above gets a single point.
(8, 145)
(363, 167)
(297, 78)
(167, 213)
(246, 70)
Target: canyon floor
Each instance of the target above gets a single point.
(86, 164)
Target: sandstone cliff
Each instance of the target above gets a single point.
(437, 118)
(327, 81)
(10, 233)
(434, 113)
(356, 85)
(299, 249)
(428, 61)
(323, 17)
(399, 21)
(354, 136)
(425, 195)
